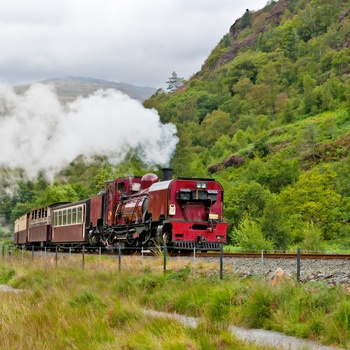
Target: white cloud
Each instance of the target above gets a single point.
(136, 41)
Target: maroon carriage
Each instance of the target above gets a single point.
(20, 236)
(70, 223)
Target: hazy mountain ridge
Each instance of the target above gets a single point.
(68, 89)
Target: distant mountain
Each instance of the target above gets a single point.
(68, 89)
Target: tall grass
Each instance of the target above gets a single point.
(100, 307)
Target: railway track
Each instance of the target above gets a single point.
(210, 254)
(271, 255)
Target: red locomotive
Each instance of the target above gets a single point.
(133, 212)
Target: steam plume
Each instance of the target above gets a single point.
(38, 134)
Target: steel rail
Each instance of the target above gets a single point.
(277, 255)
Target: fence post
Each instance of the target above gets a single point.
(33, 252)
(165, 253)
(221, 262)
(262, 262)
(83, 257)
(56, 259)
(298, 265)
(194, 261)
(119, 257)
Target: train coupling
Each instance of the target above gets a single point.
(201, 239)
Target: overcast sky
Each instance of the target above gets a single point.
(140, 42)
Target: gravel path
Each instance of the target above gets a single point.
(5, 288)
(256, 336)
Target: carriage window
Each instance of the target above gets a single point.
(64, 217)
(56, 219)
(69, 216)
(80, 215)
(59, 218)
(74, 215)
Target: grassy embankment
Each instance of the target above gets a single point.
(66, 307)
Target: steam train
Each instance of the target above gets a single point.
(132, 212)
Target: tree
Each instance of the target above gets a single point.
(249, 236)
(275, 174)
(246, 20)
(273, 224)
(55, 194)
(313, 200)
(214, 125)
(248, 198)
(174, 82)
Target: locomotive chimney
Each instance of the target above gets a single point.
(167, 174)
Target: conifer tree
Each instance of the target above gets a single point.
(174, 82)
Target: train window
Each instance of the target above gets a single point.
(184, 194)
(74, 215)
(212, 195)
(60, 218)
(120, 187)
(55, 221)
(69, 216)
(64, 217)
(80, 215)
(199, 195)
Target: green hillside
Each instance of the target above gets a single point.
(268, 116)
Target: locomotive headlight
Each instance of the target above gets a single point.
(201, 185)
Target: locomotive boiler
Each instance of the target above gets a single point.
(134, 212)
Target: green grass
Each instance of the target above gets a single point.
(102, 308)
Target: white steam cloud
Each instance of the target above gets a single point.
(38, 134)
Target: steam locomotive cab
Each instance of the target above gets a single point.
(114, 191)
(119, 214)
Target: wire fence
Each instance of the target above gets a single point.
(55, 256)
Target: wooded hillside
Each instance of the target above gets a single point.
(268, 116)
